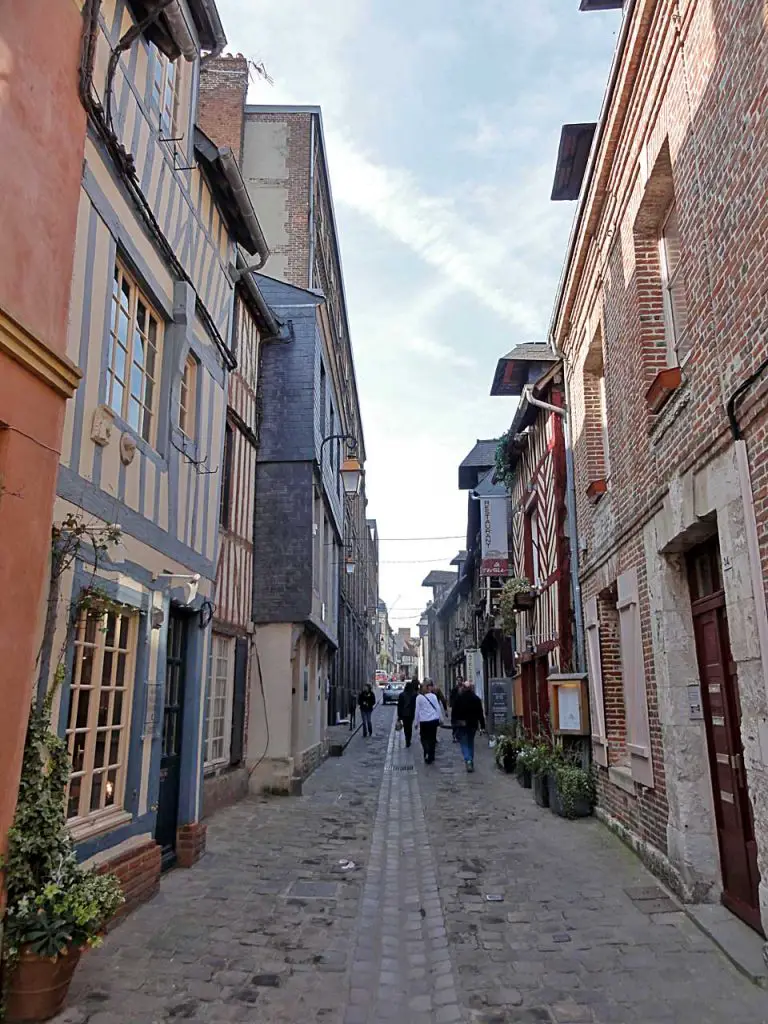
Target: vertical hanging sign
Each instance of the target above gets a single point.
(493, 534)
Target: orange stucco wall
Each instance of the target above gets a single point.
(42, 127)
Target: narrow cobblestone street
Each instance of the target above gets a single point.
(364, 901)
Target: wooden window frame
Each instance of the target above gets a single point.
(188, 391)
(165, 94)
(219, 642)
(125, 310)
(638, 737)
(225, 503)
(87, 821)
(595, 674)
(671, 279)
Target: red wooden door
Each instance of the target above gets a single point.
(722, 717)
(528, 687)
(542, 687)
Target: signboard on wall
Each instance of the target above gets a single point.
(500, 709)
(493, 535)
(474, 659)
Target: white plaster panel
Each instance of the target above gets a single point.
(265, 150)
(272, 203)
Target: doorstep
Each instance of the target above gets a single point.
(743, 946)
(339, 738)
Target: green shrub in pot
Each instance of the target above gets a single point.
(55, 907)
(574, 789)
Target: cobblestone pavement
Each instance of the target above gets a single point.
(272, 928)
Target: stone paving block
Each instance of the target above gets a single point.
(266, 929)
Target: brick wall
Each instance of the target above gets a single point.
(685, 127)
(138, 870)
(295, 245)
(221, 102)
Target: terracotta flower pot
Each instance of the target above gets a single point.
(38, 986)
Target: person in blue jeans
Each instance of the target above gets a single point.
(367, 702)
(466, 718)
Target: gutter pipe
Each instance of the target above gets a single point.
(570, 503)
(235, 180)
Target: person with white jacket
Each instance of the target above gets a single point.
(427, 719)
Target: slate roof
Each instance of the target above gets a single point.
(482, 457)
(522, 365)
(440, 578)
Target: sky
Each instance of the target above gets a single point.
(442, 120)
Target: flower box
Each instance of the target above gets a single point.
(664, 385)
(596, 489)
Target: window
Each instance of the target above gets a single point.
(219, 711)
(99, 716)
(165, 94)
(188, 397)
(638, 739)
(225, 509)
(675, 306)
(596, 412)
(133, 360)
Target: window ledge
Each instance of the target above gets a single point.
(596, 489)
(663, 387)
(621, 777)
(86, 828)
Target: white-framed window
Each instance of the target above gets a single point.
(164, 100)
(133, 361)
(675, 305)
(188, 397)
(99, 718)
(221, 678)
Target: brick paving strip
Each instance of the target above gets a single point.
(402, 965)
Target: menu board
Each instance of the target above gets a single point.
(501, 702)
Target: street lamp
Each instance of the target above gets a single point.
(351, 471)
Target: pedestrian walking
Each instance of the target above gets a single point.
(466, 717)
(367, 702)
(458, 687)
(406, 710)
(428, 719)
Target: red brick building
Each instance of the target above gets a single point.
(661, 321)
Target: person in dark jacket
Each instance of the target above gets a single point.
(458, 687)
(367, 702)
(466, 717)
(406, 709)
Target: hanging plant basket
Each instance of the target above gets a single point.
(525, 599)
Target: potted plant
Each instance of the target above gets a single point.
(526, 758)
(572, 789)
(55, 908)
(507, 748)
(542, 760)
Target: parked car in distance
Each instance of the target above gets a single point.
(391, 693)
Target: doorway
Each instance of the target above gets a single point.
(172, 736)
(722, 720)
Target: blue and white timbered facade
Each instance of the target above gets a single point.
(161, 212)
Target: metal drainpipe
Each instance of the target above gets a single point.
(570, 502)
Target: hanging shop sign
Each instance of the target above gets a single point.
(493, 533)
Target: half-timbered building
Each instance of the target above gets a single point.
(535, 470)
(161, 211)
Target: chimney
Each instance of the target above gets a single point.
(221, 104)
